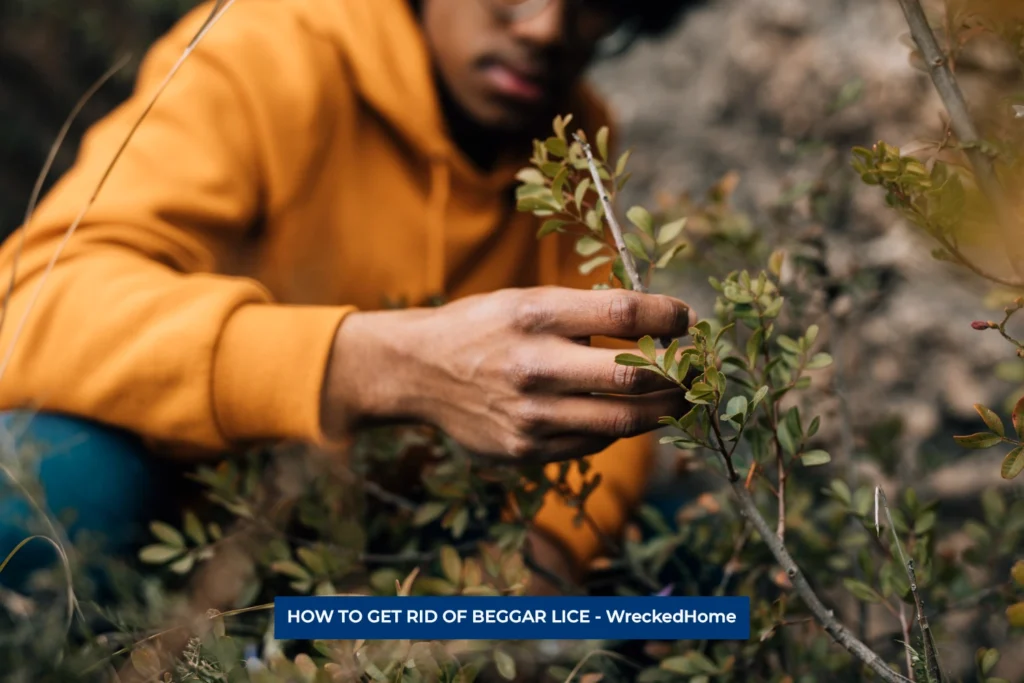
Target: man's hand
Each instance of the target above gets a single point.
(507, 374)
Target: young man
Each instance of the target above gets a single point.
(309, 162)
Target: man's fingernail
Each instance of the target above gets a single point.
(683, 321)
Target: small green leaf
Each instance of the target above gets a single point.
(641, 218)
(620, 165)
(451, 564)
(1017, 573)
(670, 231)
(1018, 418)
(667, 256)
(588, 246)
(290, 569)
(184, 565)
(692, 663)
(168, 534)
(581, 193)
(785, 439)
(556, 146)
(194, 528)
(530, 176)
(460, 522)
(775, 262)
(159, 554)
(1013, 463)
(428, 512)
(550, 226)
(647, 348)
(636, 247)
(758, 397)
(1015, 614)
(991, 420)
(505, 664)
(978, 441)
(819, 360)
(994, 507)
(987, 660)
(815, 457)
(924, 523)
(861, 590)
(593, 264)
(633, 360)
(737, 406)
(602, 142)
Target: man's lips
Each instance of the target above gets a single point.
(514, 83)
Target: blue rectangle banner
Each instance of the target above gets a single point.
(511, 618)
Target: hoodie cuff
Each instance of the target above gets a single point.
(268, 371)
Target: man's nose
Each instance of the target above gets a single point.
(545, 28)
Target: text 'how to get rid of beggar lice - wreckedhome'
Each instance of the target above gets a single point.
(512, 618)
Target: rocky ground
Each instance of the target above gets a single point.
(751, 86)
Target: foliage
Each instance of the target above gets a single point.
(756, 373)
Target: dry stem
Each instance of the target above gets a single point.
(930, 654)
(960, 121)
(613, 223)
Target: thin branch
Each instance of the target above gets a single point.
(930, 654)
(613, 223)
(960, 118)
(905, 626)
(377, 491)
(825, 616)
(220, 7)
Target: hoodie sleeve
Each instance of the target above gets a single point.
(133, 326)
(626, 465)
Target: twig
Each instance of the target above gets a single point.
(380, 493)
(930, 654)
(220, 7)
(905, 626)
(628, 264)
(825, 616)
(960, 118)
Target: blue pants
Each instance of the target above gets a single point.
(102, 476)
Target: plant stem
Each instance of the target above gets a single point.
(930, 656)
(825, 617)
(905, 625)
(960, 118)
(613, 223)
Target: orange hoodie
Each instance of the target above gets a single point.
(296, 168)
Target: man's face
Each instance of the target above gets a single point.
(508, 70)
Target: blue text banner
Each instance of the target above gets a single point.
(512, 618)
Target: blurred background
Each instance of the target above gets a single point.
(770, 94)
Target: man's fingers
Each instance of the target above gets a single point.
(611, 313)
(562, 367)
(599, 416)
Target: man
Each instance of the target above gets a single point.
(310, 161)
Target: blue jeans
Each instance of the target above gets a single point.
(103, 476)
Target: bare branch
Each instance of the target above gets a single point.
(930, 654)
(960, 120)
(905, 626)
(613, 223)
(825, 617)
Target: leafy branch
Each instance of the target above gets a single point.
(710, 369)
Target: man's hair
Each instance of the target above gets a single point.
(654, 18)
